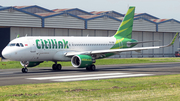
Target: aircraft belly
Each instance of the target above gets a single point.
(59, 56)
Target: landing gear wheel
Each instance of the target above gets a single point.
(24, 70)
(93, 67)
(54, 67)
(58, 67)
(88, 68)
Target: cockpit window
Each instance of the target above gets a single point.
(12, 44)
(16, 44)
(21, 45)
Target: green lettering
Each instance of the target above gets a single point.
(37, 45)
(65, 44)
(55, 43)
(52, 43)
(42, 44)
(45, 42)
(49, 44)
(60, 44)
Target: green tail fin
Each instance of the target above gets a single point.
(17, 36)
(125, 29)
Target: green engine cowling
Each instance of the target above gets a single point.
(81, 61)
(30, 63)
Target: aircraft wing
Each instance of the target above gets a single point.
(119, 50)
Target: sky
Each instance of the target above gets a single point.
(163, 9)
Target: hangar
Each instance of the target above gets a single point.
(38, 21)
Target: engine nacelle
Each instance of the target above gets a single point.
(81, 61)
(30, 63)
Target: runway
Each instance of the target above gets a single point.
(47, 75)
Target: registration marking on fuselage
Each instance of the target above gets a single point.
(88, 77)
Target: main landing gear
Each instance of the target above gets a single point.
(91, 68)
(56, 66)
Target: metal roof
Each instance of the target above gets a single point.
(32, 6)
(106, 13)
(45, 14)
(19, 7)
(61, 10)
(142, 14)
(13, 8)
(159, 20)
(68, 10)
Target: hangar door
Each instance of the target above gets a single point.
(4, 38)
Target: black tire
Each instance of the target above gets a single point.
(93, 67)
(88, 68)
(23, 70)
(54, 67)
(58, 67)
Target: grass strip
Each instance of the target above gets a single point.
(164, 87)
(16, 64)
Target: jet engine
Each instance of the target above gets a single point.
(30, 63)
(81, 61)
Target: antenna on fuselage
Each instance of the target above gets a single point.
(26, 35)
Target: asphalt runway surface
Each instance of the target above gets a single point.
(47, 75)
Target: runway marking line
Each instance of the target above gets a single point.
(89, 77)
(105, 77)
(73, 76)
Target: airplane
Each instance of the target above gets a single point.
(81, 51)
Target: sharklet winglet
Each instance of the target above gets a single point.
(172, 42)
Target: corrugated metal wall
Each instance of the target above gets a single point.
(64, 21)
(16, 18)
(103, 23)
(158, 36)
(170, 26)
(143, 25)
(146, 16)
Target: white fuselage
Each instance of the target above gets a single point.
(53, 48)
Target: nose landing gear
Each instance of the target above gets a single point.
(24, 70)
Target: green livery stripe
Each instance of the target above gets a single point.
(174, 39)
(125, 29)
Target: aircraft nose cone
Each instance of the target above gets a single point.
(6, 53)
